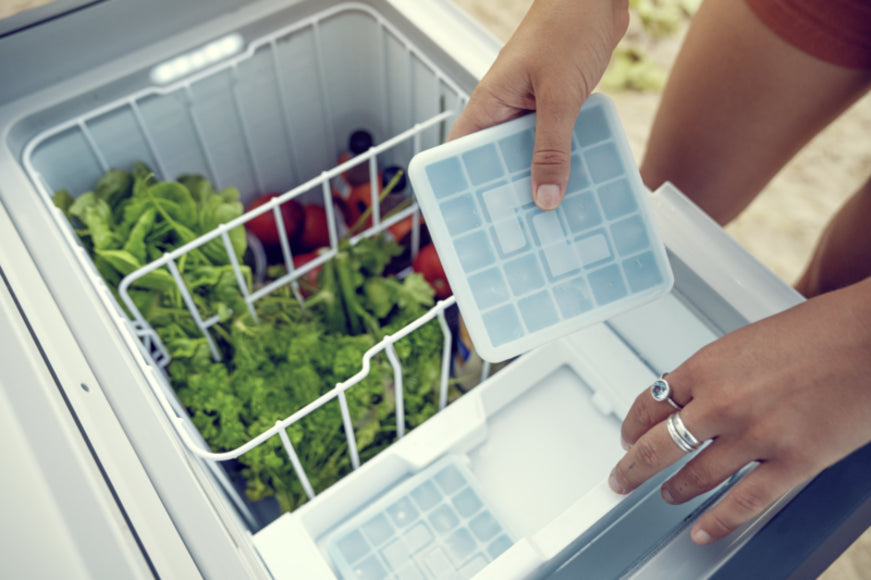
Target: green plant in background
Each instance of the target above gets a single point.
(631, 68)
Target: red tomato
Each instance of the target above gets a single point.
(427, 263)
(346, 156)
(402, 228)
(264, 226)
(359, 200)
(309, 282)
(315, 230)
(348, 214)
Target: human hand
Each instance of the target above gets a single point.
(792, 392)
(550, 65)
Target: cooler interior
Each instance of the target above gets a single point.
(270, 115)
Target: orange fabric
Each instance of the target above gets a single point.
(835, 31)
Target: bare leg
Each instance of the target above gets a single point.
(843, 253)
(739, 103)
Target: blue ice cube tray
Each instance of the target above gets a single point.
(436, 524)
(522, 276)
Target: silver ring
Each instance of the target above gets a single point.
(681, 436)
(660, 390)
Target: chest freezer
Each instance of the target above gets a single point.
(109, 476)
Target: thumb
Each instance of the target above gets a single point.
(552, 152)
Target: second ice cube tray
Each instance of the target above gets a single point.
(522, 276)
(437, 524)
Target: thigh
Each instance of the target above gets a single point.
(739, 103)
(843, 253)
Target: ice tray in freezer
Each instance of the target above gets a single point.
(523, 276)
(437, 524)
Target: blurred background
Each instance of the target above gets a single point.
(783, 224)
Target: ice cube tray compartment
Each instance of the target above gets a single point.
(436, 524)
(523, 276)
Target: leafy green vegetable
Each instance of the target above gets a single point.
(288, 360)
(63, 199)
(215, 208)
(293, 354)
(114, 186)
(131, 219)
(136, 242)
(343, 299)
(96, 216)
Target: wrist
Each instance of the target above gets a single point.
(611, 15)
(620, 11)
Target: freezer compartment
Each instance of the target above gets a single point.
(538, 440)
(541, 437)
(535, 439)
(269, 114)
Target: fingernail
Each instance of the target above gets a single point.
(624, 444)
(615, 486)
(547, 196)
(666, 495)
(701, 537)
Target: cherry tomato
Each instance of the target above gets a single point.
(359, 201)
(402, 228)
(345, 209)
(359, 198)
(427, 263)
(315, 231)
(264, 226)
(308, 283)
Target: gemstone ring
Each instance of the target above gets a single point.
(660, 390)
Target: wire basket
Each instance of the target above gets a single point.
(272, 117)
